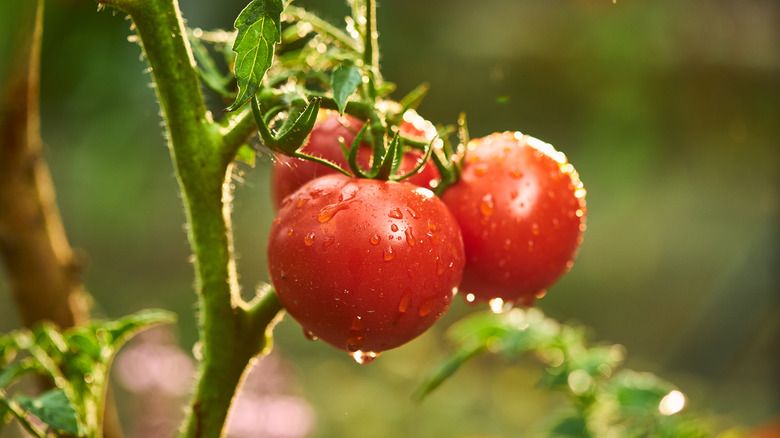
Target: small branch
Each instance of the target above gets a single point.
(240, 128)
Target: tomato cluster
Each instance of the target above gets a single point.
(368, 265)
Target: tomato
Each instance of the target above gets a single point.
(521, 209)
(290, 173)
(364, 265)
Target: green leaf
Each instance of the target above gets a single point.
(53, 408)
(344, 80)
(290, 140)
(16, 370)
(259, 27)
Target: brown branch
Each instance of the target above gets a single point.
(43, 272)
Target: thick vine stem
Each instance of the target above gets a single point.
(202, 155)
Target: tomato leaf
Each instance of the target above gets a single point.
(289, 141)
(53, 408)
(259, 27)
(344, 80)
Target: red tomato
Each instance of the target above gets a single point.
(364, 265)
(521, 209)
(290, 173)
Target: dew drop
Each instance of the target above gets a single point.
(409, 236)
(535, 229)
(486, 205)
(440, 266)
(426, 307)
(289, 231)
(396, 213)
(328, 241)
(530, 246)
(357, 323)
(406, 301)
(556, 223)
(389, 254)
(412, 212)
(302, 202)
(541, 293)
(309, 239)
(364, 357)
(309, 335)
(329, 211)
(470, 298)
(569, 265)
(580, 212)
(516, 173)
(514, 194)
(375, 239)
(393, 227)
(507, 244)
(480, 169)
(354, 342)
(497, 305)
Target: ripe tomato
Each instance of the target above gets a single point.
(364, 265)
(290, 173)
(521, 209)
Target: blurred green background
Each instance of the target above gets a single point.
(669, 110)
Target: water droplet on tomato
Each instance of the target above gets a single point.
(406, 301)
(309, 335)
(530, 245)
(396, 213)
(357, 323)
(470, 298)
(302, 202)
(569, 265)
(329, 211)
(440, 266)
(328, 241)
(541, 293)
(389, 254)
(348, 193)
(507, 244)
(426, 307)
(409, 236)
(375, 239)
(354, 342)
(309, 239)
(393, 227)
(579, 213)
(412, 212)
(486, 205)
(535, 229)
(514, 194)
(364, 357)
(289, 231)
(480, 169)
(516, 173)
(556, 223)
(497, 305)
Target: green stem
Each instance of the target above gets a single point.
(202, 156)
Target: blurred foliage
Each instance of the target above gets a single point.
(75, 363)
(604, 402)
(668, 109)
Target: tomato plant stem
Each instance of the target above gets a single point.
(202, 155)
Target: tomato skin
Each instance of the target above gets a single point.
(364, 265)
(521, 209)
(288, 174)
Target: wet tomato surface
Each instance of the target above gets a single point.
(521, 209)
(364, 265)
